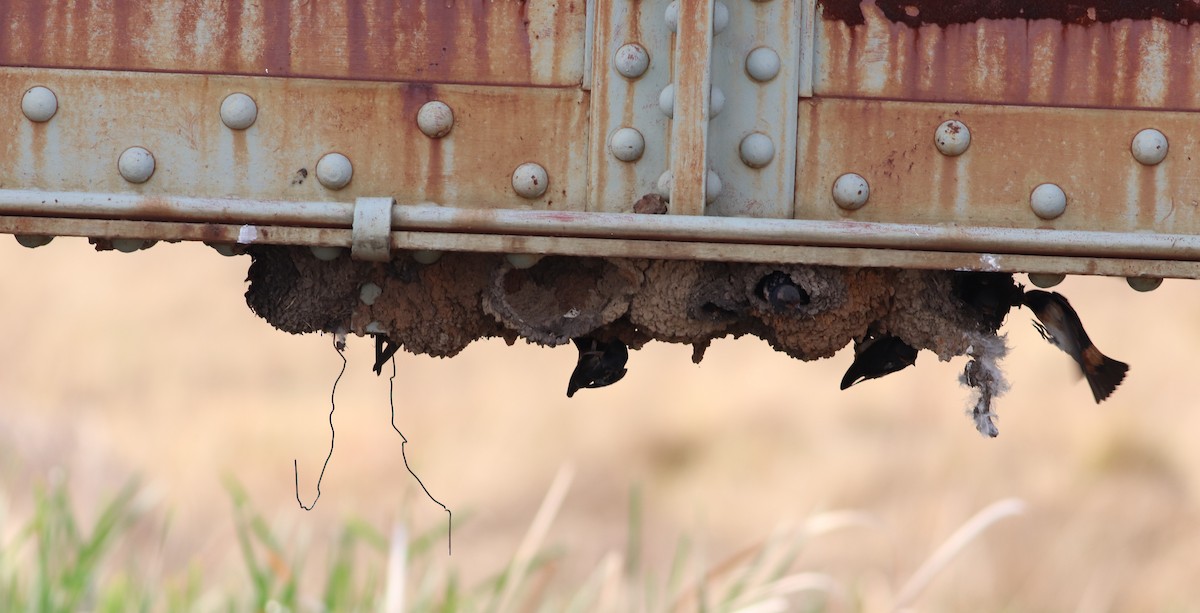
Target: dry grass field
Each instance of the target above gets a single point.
(150, 364)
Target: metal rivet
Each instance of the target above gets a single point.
(369, 293)
(720, 17)
(530, 180)
(1144, 284)
(1048, 201)
(1046, 280)
(39, 104)
(326, 254)
(136, 165)
(757, 150)
(762, 64)
(334, 170)
(952, 137)
(666, 101)
(129, 245)
(435, 119)
(1149, 147)
(238, 111)
(850, 191)
(521, 261)
(426, 256)
(627, 144)
(631, 60)
(663, 184)
(716, 101)
(33, 240)
(712, 187)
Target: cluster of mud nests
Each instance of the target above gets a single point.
(440, 308)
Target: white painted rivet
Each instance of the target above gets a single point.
(757, 150)
(762, 64)
(663, 185)
(671, 16)
(631, 60)
(1144, 284)
(720, 17)
(238, 111)
(712, 187)
(39, 104)
(521, 261)
(136, 165)
(666, 101)
(435, 119)
(1048, 201)
(1149, 147)
(326, 254)
(716, 101)
(952, 137)
(530, 180)
(426, 256)
(1046, 280)
(627, 144)
(850, 191)
(33, 240)
(334, 170)
(369, 293)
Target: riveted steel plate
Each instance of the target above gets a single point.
(1013, 149)
(177, 118)
(1105, 53)
(621, 102)
(766, 107)
(494, 42)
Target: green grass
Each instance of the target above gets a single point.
(54, 564)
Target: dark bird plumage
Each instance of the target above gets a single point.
(1059, 324)
(600, 364)
(989, 295)
(877, 356)
(778, 290)
(385, 348)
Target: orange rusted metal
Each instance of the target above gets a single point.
(525, 42)
(1106, 53)
(689, 126)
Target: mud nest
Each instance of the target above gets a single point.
(440, 308)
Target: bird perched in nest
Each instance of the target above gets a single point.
(778, 290)
(1059, 324)
(600, 364)
(876, 356)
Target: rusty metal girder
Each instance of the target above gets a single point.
(526, 42)
(177, 118)
(486, 107)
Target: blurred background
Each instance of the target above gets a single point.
(150, 365)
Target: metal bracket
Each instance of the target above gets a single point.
(697, 100)
(371, 232)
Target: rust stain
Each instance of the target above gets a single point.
(1124, 56)
(947, 12)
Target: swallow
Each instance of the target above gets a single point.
(778, 290)
(1059, 324)
(600, 364)
(385, 348)
(877, 356)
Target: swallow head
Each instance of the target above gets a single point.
(778, 290)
